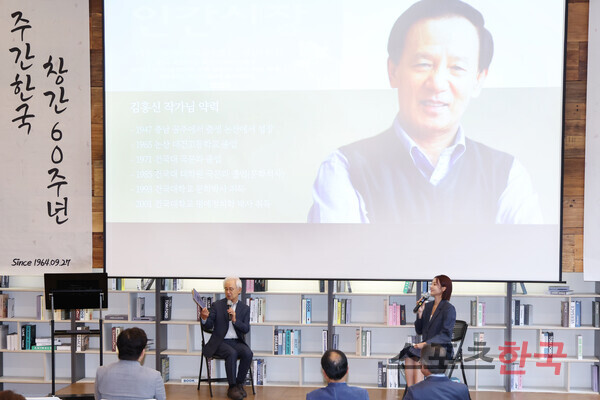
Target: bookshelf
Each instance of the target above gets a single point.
(28, 371)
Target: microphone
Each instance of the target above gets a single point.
(229, 304)
(421, 301)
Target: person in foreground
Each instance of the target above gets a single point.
(335, 371)
(435, 322)
(127, 378)
(436, 384)
(425, 169)
(229, 320)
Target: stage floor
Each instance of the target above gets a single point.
(189, 392)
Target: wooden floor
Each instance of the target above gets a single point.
(189, 392)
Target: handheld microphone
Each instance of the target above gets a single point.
(229, 304)
(421, 301)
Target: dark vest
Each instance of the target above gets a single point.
(394, 190)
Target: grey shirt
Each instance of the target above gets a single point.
(128, 380)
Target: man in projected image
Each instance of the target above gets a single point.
(424, 169)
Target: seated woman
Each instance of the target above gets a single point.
(435, 321)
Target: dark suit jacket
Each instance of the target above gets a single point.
(440, 327)
(439, 388)
(218, 322)
(338, 390)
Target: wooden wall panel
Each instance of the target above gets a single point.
(574, 150)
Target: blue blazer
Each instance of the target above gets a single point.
(338, 390)
(218, 322)
(438, 329)
(439, 388)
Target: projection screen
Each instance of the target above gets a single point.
(337, 139)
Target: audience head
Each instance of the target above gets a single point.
(10, 395)
(445, 282)
(131, 343)
(433, 358)
(335, 365)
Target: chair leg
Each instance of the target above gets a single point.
(462, 367)
(209, 376)
(200, 373)
(252, 378)
(452, 368)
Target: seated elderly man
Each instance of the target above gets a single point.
(436, 384)
(335, 371)
(127, 378)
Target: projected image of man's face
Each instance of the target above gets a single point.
(436, 75)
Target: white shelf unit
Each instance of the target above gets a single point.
(179, 338)
(574, 375)
(283, 307)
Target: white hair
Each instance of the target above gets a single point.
(238, 281)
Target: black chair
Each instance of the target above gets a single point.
(458, 337)
(209, 377)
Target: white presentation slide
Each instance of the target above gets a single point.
(339, 139)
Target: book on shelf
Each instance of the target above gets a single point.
(257, 309)
(4, 281)
(164, 367)
(83, 341)
(342, 311)
(47, 341)
(63, 315)
(115, 331)
(342, 287)
(560, 290)
(9, 308)
(259, 285)
(570, 313)
(4, 305)
(381, 371)
(40, 307)
(27, 336)
(579, 346)
(140, 307)
(3, 337)
(116, 283)
(595, 378)
(395, 313)
(166, 307)
(335, 341)
(171, 284)
(145, 318)
(516, 380)
(515, 286)
(388, 374)
(287, 342)
(522, 313)
(408, 286)
(146, 284)
(259, 371)
(324, 341)
(321, 286)
(13, 341)
(363, 342)
(546, 343)
(477, 313)
(61, 347)
(596, 314)
(306, 310)
(116, 317)
(478, 342)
